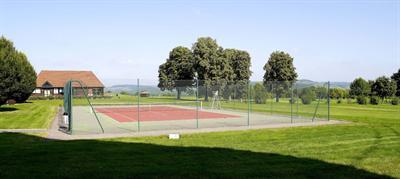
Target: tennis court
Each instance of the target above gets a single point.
(195, 107)
(158, 113)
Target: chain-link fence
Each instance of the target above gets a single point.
(151, 105)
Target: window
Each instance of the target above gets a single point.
(37, 91)
(97, 91)
(55, 90)
(60, 90)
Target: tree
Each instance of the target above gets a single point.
(338, 93)
(383, 87)
(7, 54)
(214, 70)
(279, 73)
(240, 63)
(359, 87)
(396, 77)
(17, 76)
(177, 72)
(26, 79)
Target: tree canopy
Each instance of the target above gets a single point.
(396, 77)
(216, 68)
(17, 76)
(383, 87)
(280, 73)
(359, 87)
(177, 71)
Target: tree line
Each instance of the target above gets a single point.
(377, 90)
(228, 72)
(17, 76)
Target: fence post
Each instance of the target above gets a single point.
(291, 103)
(138, 104)
(297, 101)
(248, 103)
(329, 100)
(197, 102)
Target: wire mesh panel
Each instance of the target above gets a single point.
(228, 102)
(173, 106)
(83, 117)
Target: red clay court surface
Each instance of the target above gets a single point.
(159, 113)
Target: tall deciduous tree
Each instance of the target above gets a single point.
(396, 77)
(359, 87)
(214, 71)
(383, 87)
(177, 71)
(280, 73)
(240, 62)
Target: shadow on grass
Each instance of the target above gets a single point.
(35, 157)
(7, 109)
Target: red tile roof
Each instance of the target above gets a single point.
(58, 78)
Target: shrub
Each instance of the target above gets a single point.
(361, 100)
(307, 95)
(260, 94)
(307, 99)
(374, 100)
(11, 102)
(395, 101)
(339, 101)
(349, 101)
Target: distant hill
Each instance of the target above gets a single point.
(304, 83)
(154, 90)
(132, 89)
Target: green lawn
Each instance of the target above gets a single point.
(32, 115)
(367, 148)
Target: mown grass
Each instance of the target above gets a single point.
(36, 114)
(368, 147)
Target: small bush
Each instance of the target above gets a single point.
(374, 100)
(11, 102)
(361, 100)
(349, 101)
(307, 96)
(339, 101)
(395, 101)
(307, 99)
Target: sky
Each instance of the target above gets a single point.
(127, 39)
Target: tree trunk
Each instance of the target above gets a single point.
(178, 95)
(277, 98)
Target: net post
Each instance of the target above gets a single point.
(138, 105)
(329, 100)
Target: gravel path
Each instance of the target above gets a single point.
(54, 133)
